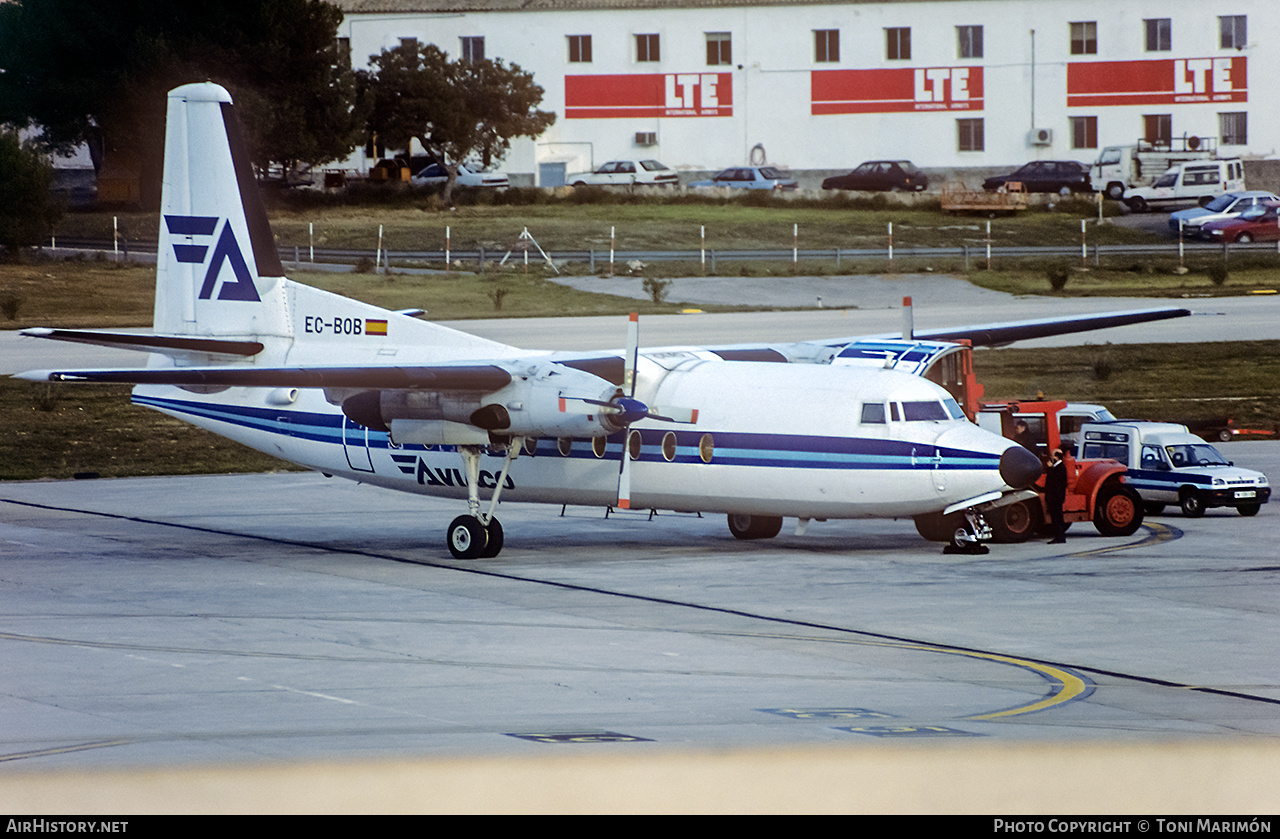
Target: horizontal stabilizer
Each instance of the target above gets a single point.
(170, 345)
(475, 378)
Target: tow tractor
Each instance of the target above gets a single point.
(1096, 488)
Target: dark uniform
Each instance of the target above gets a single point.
(1055, 496)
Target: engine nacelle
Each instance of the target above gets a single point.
(547, 400)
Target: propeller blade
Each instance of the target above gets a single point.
(633, 352)
(685, 415)
(624, 471)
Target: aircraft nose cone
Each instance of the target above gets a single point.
(1019, 468)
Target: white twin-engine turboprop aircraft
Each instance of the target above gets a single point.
(345, 388)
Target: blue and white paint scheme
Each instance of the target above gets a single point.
(1170, 465)
(754, 432)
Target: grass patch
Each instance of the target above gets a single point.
(1150, 279)
(1177, 382)
(78, 293)
(61, 431)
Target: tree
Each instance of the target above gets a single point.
(97, 72)
(27, 212)
(455, 109)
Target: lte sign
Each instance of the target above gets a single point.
(895, 90)
(1165, 82)
(649, 95)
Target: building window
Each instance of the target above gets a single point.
(1084, 132)
(1234, 129)
(970, 41)
(1235, 32)
(647, 48)
(1159, 34)
(719, 48)
(1084, 38)
(473, 50)
(579, 49)
(970, 135)
(1157, 129)
(826, 45)
(898, 43)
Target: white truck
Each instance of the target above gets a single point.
(1170, 465)
(1120, 168)
(1188, 183)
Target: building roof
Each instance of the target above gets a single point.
(355, 7)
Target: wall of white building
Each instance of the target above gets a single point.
(810, 114)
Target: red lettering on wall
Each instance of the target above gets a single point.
(649, 95)
(1164, 82)
(896, 90)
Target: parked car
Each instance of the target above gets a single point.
(1259, 223)
(1193, 182)
(1061, 176)
(750, 177)
(1230, 205)
(1170, 465)
(436, 175)
(627, 173)
(881, 176)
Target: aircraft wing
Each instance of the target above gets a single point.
(1001, 334)
(463, 377)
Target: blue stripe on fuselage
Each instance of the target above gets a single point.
(730, 448)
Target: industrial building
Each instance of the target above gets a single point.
(820, 86)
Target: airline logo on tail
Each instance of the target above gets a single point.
(227, 249)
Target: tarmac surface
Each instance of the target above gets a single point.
(290, 643)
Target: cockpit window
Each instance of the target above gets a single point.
(953, 408)
(873, 412)
(923, 411)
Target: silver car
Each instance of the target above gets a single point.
(627, 173)
(750, 177)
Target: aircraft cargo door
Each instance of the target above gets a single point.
(355, 442)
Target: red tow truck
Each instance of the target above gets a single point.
(1096, 489)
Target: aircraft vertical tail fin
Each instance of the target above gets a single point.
(217, 272)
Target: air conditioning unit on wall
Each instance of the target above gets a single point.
(646, 138)
(1040, 137)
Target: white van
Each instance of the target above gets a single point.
(1193, 182)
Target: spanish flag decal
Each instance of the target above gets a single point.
(375, 327)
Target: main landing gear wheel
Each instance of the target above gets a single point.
(493, 539)
(467, 538)
(754, 527)
(1014, 523)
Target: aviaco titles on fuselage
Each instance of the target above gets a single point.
(837, 428)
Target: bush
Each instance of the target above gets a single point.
(1057, 275)
(1218, 273)
(656, 289)
(10, 304)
